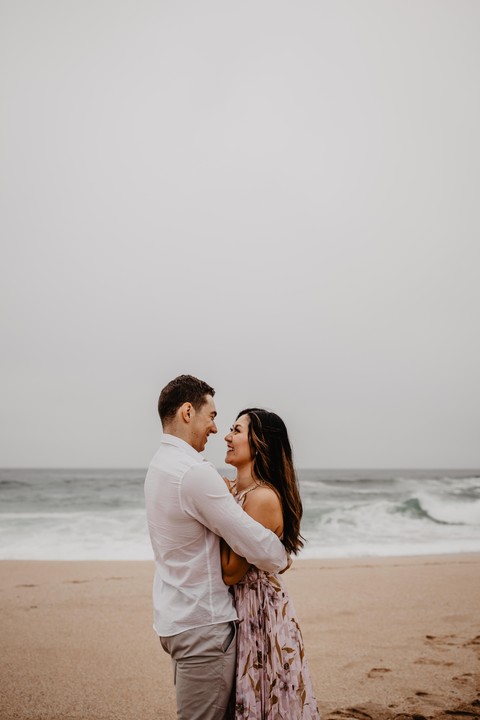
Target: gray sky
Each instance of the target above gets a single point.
(281, 198)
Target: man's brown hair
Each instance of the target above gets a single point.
(184, 388)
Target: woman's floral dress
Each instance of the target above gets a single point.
(272, 678)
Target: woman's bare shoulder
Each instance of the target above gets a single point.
(264, 497)
(263, 504)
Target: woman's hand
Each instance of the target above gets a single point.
(287, 566)
(230, 485)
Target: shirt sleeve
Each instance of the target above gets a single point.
(205, 497)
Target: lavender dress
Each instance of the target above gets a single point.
(272, 678)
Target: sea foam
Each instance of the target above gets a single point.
(100, 514)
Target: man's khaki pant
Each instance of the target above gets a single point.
(203, 662)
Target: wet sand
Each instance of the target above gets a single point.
(384, 638)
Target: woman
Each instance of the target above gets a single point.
(272, 678)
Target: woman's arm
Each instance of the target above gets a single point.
(263, 505)
(234, 567)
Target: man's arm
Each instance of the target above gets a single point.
(204, 496)
(265, 507)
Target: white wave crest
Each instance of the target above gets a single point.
(449, 510)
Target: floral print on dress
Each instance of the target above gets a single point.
(272, 678)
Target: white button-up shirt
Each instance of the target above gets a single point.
(188, 509)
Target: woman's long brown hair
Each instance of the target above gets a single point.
(273, 464)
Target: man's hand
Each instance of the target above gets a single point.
(230, 485)
(287, 565)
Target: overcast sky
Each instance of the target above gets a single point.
(282, 198)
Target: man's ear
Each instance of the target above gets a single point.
(187, 411)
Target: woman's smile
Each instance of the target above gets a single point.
(238, 448)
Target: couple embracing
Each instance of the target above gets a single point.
(220, 608)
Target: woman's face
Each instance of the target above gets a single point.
(238, 447)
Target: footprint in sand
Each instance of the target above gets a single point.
(474, 641)
(359, 713)
(26, 585)
(463, 679)
(430, 661)
(440, 641)
(460, 712)
(75, 582)
(378, 672)
(350, 713)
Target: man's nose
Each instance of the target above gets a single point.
(214, 429)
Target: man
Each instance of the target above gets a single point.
(188, 509)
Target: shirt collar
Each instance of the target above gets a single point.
(178, 442)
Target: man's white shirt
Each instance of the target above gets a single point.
(188, 509)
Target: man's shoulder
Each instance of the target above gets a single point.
(200, 486)
(187, 470)
(172, 457)
(203, 470)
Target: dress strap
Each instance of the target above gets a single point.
(243, 493)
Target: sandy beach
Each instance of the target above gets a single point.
(385, 638)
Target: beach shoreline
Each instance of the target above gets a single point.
(385, 637)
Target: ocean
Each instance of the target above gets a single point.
(99, 514)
